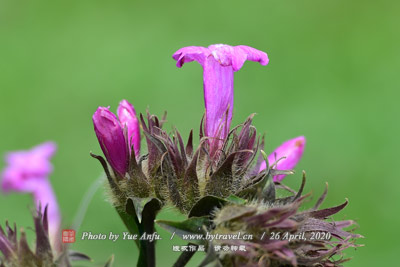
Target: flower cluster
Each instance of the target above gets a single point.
(224, 162)
(226, 185)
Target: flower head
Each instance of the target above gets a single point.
(219, 62)
(283, 232)
(28, 172)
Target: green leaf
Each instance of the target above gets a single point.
(206, 205)
(78, 256)
(131, 223)
(148, 209)
(191, 226)
(236, 200)
(140, 203)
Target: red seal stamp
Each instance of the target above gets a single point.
(68, 236)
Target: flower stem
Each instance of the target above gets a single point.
(185, 257)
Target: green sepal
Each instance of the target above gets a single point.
(255, 190)
(291, 199)
(268, 192)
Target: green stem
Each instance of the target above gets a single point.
(147, 256)
(185, 257)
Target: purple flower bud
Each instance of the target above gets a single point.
(292, 150)
(219, 62)
(127, 117)
(28, 171)
(111, 139)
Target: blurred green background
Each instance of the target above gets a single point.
(333, 77)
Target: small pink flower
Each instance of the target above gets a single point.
(292, 150)
(110, 134)
(28, 172)
(111, 139)
(219, 62)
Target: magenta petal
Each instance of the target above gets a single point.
(25, 168)
(33, 162)
(292, 149)
(111, 138)
(189, 54)
(127, 117)
(253, 54)
(45, 150)
(235, 56)
(218, 97)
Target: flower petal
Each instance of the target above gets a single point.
(26, 167)
(34, 161)
(292, 150)
(253, 54)
(127, 117)
(189, 54)
(235, 56)
(111, 138)
(218, 99)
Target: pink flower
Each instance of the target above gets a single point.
(219, 62)
(28, 172)
(110, 134)
(292, 151)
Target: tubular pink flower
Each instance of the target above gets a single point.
(292, 150)
(111, 138)
(27, 172)
(127, 116)
(219, 62)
